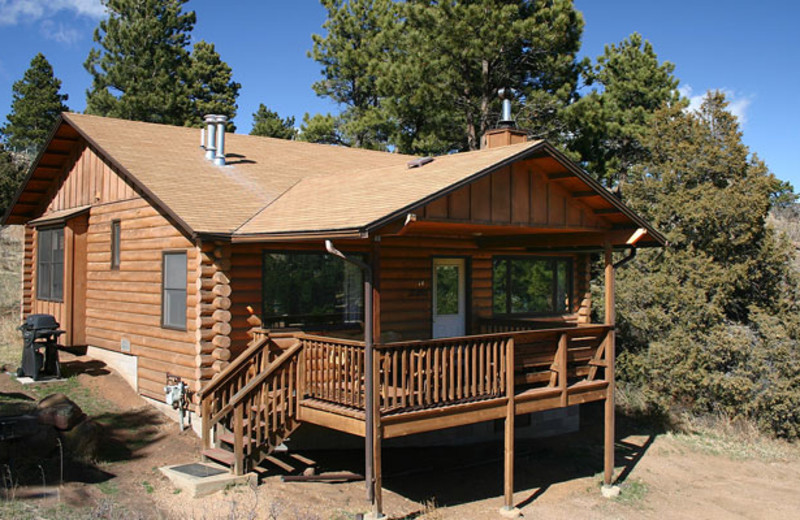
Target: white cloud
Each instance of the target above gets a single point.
(59, 32)
(13, 12)
(737, 103)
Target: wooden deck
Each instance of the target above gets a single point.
(421, 386)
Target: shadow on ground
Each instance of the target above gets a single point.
(450, 476)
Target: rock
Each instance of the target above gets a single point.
(83, 441)
(58, 411)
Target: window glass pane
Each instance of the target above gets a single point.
(57, 284)
(531, 286)
(115, 228)
(175, 271)
(302, 289)
(175, 308)
(500, 291)
(43, 282)
(174, 297)
(446, 289)
(562, 287)
(45, 245)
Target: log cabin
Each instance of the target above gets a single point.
(460, 295)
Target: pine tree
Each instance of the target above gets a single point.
(267, 123)
(211, 86)
(139, 71)
(322, 129)
(351, 54)
(11, 175)
(611, 122)
(36, 104)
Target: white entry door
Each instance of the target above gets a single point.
(449, 298)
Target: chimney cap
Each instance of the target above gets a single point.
(210, 118)
(219, 118)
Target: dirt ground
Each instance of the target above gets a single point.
(661, 475)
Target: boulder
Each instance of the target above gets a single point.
(59, 411)
(83, 441)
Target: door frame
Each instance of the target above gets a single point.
(467, 290)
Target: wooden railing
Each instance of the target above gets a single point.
(265, 410)
(499, 325)
(334, 370)
(219, 391)
(424, 374)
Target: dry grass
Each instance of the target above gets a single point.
(736, 439)
(10, 293)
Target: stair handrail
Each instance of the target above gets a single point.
(233, 368)
(256, 381)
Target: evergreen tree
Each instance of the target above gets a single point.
(611, 122)
(423, 75)
(323, 129)
(36, 104)
(351, 54)
(139, 71)
(712, 322)
(211, 86)
(11, 175)
(269, 124)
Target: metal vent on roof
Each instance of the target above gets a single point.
(416, 163)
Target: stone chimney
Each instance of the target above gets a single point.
(506, 132)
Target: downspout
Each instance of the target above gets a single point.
(369, 398)
(630, 256)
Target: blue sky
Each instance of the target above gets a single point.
(751, 50)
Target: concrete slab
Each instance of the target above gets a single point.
(204, 478)
(609, 491)
(46, 379)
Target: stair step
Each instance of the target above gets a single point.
(223, 456)
(285, 466)
(228, 438)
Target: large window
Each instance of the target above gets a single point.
(531, 286)
(173, 312)
(311, 290)
(50, 265)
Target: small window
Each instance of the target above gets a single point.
(531, 286)
(115, 244)
(311, 291)
(174, 296)
(50, 265)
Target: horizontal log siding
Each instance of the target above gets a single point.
(126, 303)
(89, 180)
(406, 270)
(27, 272)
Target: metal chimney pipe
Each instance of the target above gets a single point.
(219, 159)
(505, 119)
(211, 133)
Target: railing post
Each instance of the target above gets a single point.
(205, 412)
(563, 373)
(238, 440)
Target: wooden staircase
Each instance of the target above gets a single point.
(251, 407)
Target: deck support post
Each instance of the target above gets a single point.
(610, 319)
(508, 508)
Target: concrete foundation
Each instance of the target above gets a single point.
(198, 486)
(125, 364)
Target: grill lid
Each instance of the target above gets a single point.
(40, 321)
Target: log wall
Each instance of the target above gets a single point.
(125, 303)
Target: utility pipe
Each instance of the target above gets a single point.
(369, 398)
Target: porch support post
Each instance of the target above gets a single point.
(610, 318)
(508, 509)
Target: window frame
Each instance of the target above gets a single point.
(570, 284)
(164, 289)
(340, 325)
(46, 293)
(116, 230)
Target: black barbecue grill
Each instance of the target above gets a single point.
(40, 332)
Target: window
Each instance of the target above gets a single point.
(173, 312)
(530, 286)
(50, 265)
(311, 290)
(115, 244)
